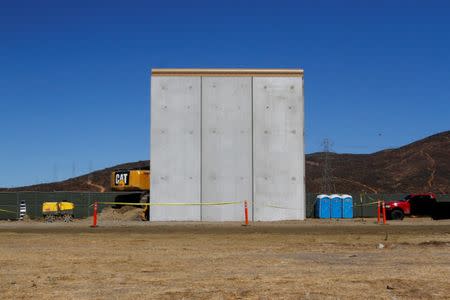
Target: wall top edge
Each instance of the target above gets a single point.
(229, 72)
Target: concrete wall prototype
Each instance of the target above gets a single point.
(227, 135)
(175, 153)
(226, 145)
(279, 163)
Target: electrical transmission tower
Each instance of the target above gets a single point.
(55, 172)
(90, 171)
(74, 169)
(327, 185)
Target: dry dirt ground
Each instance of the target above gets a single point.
(291, 260)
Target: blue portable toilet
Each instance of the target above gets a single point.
(336, 206)
(322, 207)
(347, 207)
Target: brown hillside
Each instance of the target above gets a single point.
(422, 166)
(88, 182)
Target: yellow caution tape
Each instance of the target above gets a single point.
(370, 197)
(367, 204)
(13, 212)
(280, 207)
(171, 204)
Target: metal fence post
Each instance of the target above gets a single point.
(361, 208)
(17, 207)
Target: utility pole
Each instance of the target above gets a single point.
(74, 169)
(55, 172)
(327, 185)
(90, 171)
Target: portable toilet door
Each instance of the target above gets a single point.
(322, 207)
(317, 206)
(336, 206)
(347, 207)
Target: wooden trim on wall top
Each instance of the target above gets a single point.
(229, 72)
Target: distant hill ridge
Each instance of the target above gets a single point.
(422, 166)
(89, 182)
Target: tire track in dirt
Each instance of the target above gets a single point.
(358, 183)
(100, 187)
(432, 168)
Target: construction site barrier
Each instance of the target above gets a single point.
(280, 207)
(8, 211)
(246, 212)
(94, 217)
(171, 203)
(366, 204)
(189, 204)
(381, 210)
(362, 202)
(95, 205)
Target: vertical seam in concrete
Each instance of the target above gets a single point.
(253, 164)
(201, 148)
(149, 151)
(303, 157)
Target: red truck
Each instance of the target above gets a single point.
(413, 204)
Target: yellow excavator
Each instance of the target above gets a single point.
(132, 180)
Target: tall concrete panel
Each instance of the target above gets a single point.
(226, 146)
(175, 147)
(279, 165)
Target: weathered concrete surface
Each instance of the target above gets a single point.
(175, 152)
(226, 146)
(278, 148)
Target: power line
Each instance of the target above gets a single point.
(55, 172)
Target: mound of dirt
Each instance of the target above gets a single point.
(125, 213)
(26, 219)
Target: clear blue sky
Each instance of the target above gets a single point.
(74, 75)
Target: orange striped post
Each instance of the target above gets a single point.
(378, 212)
(94, 218)
(246, 212)
(384, 214)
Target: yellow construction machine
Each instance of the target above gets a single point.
(132, 180)
(58, 210)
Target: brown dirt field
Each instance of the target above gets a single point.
(291, 260)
